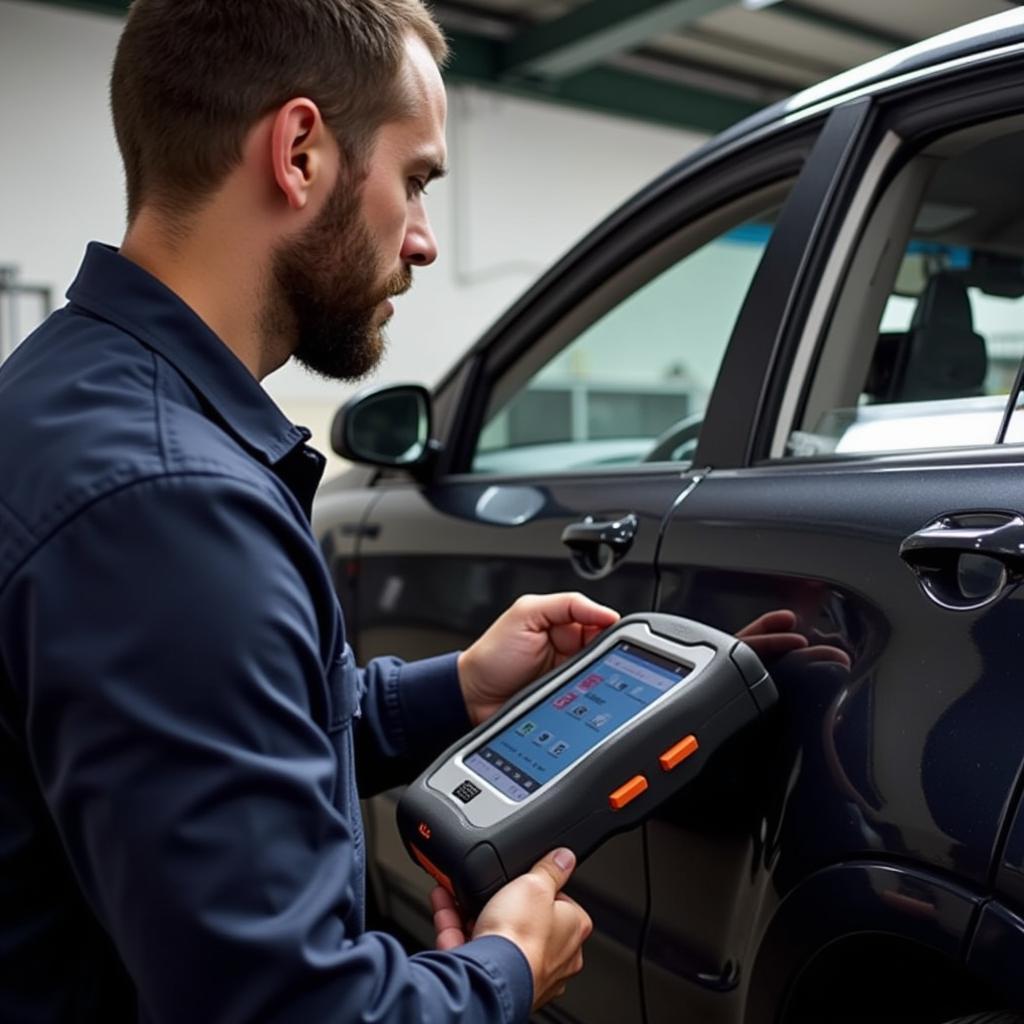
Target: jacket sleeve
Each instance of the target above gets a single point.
(167, 652)
(409, 712)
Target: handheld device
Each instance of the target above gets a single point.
(587, 751)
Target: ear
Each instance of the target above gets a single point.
(299, 150)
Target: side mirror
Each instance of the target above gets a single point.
(388, 426)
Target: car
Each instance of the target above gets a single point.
(785, 375)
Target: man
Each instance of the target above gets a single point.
(180, 838)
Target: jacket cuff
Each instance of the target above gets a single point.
(434, 711)
(506, 965)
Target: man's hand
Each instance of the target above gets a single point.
(772, 635)
(533, 912)
(531, 638)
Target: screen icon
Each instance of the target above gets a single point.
(599, 721)
(590, 682)
(580, 711)
(565, 700)
(543, 738)
(526, 728)
(559, 748)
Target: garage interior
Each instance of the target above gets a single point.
(612, 92)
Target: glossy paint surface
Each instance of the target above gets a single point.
(876, 813)
(911, 754)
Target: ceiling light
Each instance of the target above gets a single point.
(756, 5)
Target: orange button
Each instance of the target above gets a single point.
(677, 754)
(630, 791)
(431, 868)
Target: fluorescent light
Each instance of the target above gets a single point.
(757, 5)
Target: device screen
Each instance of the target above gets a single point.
(582, 713)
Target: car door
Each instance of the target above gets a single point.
(874, 489)
(572, 431)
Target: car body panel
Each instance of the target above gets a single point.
(882, 797)
(896, 757)
(996, 950)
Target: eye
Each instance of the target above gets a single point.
(416, 187)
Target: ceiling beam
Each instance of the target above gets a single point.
(596, 31)
(884, 40)
(115, 7)
(609, 90)
(482, 61)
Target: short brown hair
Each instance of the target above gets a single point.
(192, 77)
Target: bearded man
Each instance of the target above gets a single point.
(180, 836)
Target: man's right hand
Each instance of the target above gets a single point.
(533, 912)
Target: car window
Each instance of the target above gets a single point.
(631, 384)
(926, 339)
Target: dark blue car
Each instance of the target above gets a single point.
(786, 375)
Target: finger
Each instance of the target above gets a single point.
(555, 868)
(822, 653)
(447, 918)
(450, 938)
(441, 899)
(567, 639)
(779, 621)
(586, 924)
(773, 645)
(549, 610)
(555, 992)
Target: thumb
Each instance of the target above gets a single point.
(556, 867)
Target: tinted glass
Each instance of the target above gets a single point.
(633, 386)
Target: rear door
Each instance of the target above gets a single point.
(573, 437)
(884, 425)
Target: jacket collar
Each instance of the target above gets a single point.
(117, 290)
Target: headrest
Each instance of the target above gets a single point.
(944, 303)
(941, 356)
(946, 358)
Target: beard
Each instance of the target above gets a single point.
(327, 286)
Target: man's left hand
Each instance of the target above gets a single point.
(537, 633)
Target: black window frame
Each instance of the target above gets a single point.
(918, 112)
(709, 180)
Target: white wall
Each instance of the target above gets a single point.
(527, 180)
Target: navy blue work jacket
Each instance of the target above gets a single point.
(180, 716)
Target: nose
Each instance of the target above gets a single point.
(419, 248)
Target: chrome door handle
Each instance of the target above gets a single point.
(596, 546)
(962, 563)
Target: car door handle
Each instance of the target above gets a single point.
(966, 560)
(596, 546)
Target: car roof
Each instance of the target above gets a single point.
(977, 37)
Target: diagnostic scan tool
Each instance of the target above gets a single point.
(587, 751)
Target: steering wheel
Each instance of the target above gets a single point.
(679, 442)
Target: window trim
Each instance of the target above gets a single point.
(754, 373)
(801, 368)
(622, 286)
(692, 198)
(973, 95)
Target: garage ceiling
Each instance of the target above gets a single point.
(700, 64)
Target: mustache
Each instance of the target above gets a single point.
(398, 284)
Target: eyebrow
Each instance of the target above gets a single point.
(429, 162)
